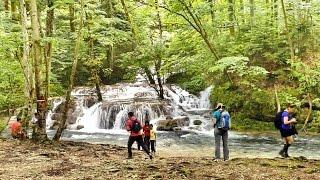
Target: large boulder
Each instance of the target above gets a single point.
(182, 121)
(170, 124)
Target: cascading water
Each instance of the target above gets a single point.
(118, 100)
(205, 98)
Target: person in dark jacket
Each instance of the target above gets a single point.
(287, 129)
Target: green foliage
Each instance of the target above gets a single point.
(11, 76)
(241, 123)
(3, 125)
(252, 61)
(192, 83)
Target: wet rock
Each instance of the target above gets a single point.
(56, 116)
(72, 119)
(80, 127)
(90, 101)
(197, 122)
(177, 129)
(170, 124)
(182, 121)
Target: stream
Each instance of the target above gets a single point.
(196, 144)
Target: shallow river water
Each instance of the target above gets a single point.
(197, 144)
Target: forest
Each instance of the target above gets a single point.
(259, 55)
(69, 71)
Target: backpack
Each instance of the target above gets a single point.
(225, 121)
(136, 127)
(278, 120)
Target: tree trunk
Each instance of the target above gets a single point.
(309, 113)
(242, 11)
(252, 8)
(133, 31)
(41, 134)
(158, 60)
(199, 28)
(91, 53)
(109, 8)
(231, 16)
(277, 99)
(275, 12)
(212, 11)
(71, 17)
(25, 64)
(72, 76)
(149, 75)
(195, 23)
(6, 5)
(98, 89)
(287, 30)
(48, 47)
(14, 12)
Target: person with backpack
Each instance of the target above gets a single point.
(287, 129)
(134, 127)
(222, 124)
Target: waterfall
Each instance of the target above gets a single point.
(205, 98)
(55, 104)
(120, 119)
(111, 114)
(92, 117)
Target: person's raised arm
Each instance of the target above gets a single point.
(287, 121)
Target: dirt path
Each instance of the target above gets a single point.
(70, 160)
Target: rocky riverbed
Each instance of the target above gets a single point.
(77, 160)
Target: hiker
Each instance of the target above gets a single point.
(287, 129)
(146, 132)
(153, 137)
(134, 127)
(16, 130)
(222, 123)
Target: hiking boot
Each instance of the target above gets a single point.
(150, 156)
(282, 153)
(286, 155)
(129, 157)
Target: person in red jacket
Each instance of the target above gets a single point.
(146, 132)
(134, 127)
(17, 131)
